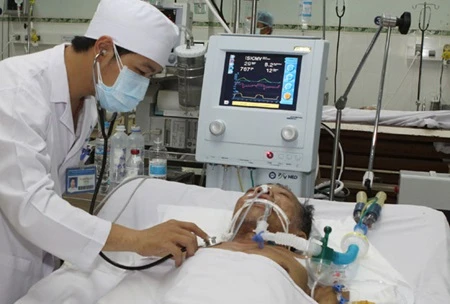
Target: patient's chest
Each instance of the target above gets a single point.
(224, 276)
(279, 255)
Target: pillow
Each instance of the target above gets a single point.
(215, 222)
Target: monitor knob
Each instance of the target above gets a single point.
(289, 133)
(217, 127)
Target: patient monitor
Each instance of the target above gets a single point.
(260, 111)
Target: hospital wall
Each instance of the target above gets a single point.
(57, 21)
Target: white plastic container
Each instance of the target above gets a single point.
(157, 160)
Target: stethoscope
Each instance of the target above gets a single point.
(106, 136)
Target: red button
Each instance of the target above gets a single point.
(269, 155)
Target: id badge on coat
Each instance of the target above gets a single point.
(80, 179)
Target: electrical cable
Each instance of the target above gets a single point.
(219, 11)
(440, 82)
(202, 177)
(217, 15)
(403, 80)
(225, 178)
(251, 178)
(241, 185)
(341, 150)
(319, 189)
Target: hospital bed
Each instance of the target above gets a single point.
(406, 140)
(419, 119)
(414, 240)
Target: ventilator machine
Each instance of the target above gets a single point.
(260, 111)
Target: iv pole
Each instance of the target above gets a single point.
(403, 23)
(254, 16)
(237, 16)
(424, 23)
(324, 17)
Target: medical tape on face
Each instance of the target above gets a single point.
(256, 194)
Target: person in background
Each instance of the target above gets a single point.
(264, 23)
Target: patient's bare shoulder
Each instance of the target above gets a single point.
(280, 255)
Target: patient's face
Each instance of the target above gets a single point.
(282, 197)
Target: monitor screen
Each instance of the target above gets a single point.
(261, 81)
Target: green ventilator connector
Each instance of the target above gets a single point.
(327, 253)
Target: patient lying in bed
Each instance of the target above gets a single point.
(300, 217)
(229, 274)
(238, 271)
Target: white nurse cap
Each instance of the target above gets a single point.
(136, 26)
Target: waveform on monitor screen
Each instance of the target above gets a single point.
(259, 85)
(263, 80)
(256, 97)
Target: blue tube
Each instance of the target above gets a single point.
(348, 257)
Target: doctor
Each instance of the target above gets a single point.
(46, 114)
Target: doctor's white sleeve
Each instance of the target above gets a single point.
(27, 196)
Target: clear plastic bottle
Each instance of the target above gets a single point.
(98, 158)
(135, 164)
(157, 164)
(119, 144)
(305, 12)
(136, 141)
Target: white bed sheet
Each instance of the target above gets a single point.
(415, 241)
(421, 119)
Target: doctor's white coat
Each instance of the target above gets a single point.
(37, 144)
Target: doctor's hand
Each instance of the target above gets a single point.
(160, 240)
(169, 238)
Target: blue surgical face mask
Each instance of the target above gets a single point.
(127, 91)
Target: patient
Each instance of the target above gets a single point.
(211, 269)
(300, 217)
